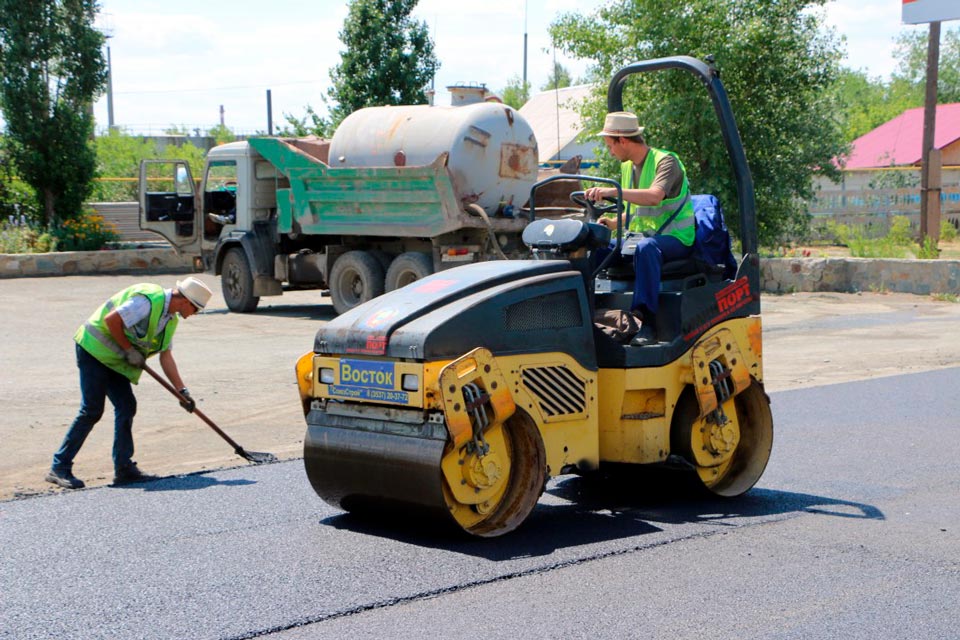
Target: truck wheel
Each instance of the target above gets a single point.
(383, 258)
(355, 278)
(236, 281)
(406, 268)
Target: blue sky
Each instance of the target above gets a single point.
(175, 62)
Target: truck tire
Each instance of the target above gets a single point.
(383, 258)
(355, 278)
(236, 282)
(406, 268)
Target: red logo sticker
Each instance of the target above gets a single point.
(734, 296)
(376, 345)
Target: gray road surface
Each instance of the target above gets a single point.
(851, 533)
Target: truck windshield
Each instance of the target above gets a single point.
(222, 175)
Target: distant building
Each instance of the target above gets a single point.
(898, 143)
(881, 175)
(554, 116)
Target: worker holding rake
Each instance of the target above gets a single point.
(112, 348)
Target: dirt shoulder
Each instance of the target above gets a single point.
(240, 369)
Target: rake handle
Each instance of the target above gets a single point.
(169, 387)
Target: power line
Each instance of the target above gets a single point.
(206, 89)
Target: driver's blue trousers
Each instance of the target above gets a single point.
(648, 259)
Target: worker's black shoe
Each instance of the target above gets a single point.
(647, 335)
(130, 474)
(65, 479)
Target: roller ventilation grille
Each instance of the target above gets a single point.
(558, 391)
(554, 311)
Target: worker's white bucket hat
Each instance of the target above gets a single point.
(195, 291)
(621, 124)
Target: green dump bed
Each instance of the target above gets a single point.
(416, 201)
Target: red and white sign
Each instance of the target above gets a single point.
(920, 11)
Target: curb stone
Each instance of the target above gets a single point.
(777, 275)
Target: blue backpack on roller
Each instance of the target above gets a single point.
(713, 244)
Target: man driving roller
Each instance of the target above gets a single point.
(658, 205)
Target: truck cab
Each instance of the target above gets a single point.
(227, 222)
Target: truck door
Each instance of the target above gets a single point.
(168, 203)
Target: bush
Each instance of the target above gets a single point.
(900, 232)
(90, 232)
(861, 247)
(948, 232)
(929, 250)
(17, 236)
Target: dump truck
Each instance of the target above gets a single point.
(460, 395)
(398, 193)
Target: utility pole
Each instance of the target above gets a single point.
(105, 27)
(269, 114)
(932, 12)
(525, 3)
(109, 90)
(931, 164)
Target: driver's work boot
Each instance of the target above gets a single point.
(647, 335)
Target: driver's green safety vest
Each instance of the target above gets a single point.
(652, 218)
(94, 335)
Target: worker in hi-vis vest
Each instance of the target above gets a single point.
(112, 348)
(657, 202)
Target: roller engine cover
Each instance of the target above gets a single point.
(517, 306)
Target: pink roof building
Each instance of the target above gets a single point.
(898, 142)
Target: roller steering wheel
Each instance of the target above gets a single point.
(595, 209)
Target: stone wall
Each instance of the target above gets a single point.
(66, 263)
(778, 275)
(922, 277)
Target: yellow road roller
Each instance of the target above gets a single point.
(464, 392)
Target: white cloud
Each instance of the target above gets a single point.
(177, 61)
(870, 27)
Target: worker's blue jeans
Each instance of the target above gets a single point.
(648, 259)
(97, 383)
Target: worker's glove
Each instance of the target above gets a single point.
(134, 358)
(187, 402)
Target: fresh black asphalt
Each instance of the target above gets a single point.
(861, 492)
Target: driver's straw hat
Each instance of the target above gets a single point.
(195, 291)
(622, 124)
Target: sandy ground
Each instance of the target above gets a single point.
(240, 369)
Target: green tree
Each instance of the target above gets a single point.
(17, 199)
(777, 66)
(911, 53)
(559, 79)
(51, 71)
(221, 134)
(866, 102)
(388, 58)
(516, 93)
(118, 163)
(311, 124)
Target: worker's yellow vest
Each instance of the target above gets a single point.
(651, 218)
(94, 335)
